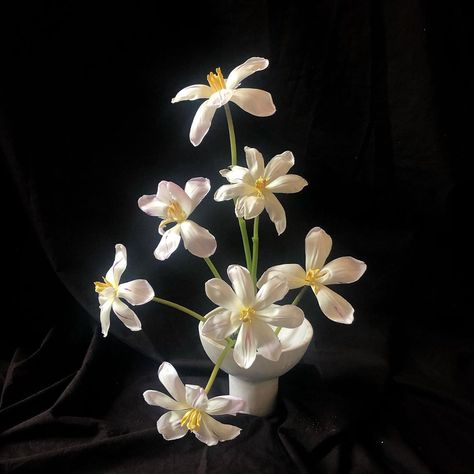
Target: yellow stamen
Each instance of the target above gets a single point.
(100, 286)
(192, 419)
(246, 315)
(312, 277)
(260, 184)
(174, 213)
(216, 81)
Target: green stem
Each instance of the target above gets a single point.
(255, 241)
(212, 267)
(246, 242)
(230, 126)
(221, 358)
(295, 302)
(179, 308)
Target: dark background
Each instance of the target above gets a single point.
(374, 99)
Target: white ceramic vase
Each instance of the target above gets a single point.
(258, 385)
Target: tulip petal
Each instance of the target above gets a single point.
(159, 399)
(268, 344)
(255, 162)
(221, 294)
(288, 184)
(105, 308)
(224, 405)
(249, 207)
(237, 174)
(273, 290)
(219, 324)
(212, 431)
(318, 245)
(196, 189)
(291, 272)
(245, 350)
(168, 243)
(232, 191)
(254, 101)
(118, 267)
(276, 212)
(196, 91)
(196, 397)
(242, 284)
(246, 69)
(152, 206)
(171, 381)
(201, 123)
(287, 316)
(177, 194)
(197, 240)
(334, 306)
(169, 426)
(220, 98)
(126, 315)
(279, 165)
(343, 270)
(136, 292)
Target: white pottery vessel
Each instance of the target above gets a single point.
(258, 385)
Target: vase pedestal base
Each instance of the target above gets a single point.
(260, 396)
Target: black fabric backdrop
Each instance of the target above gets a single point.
(374, 100)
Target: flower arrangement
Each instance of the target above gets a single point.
(247, 321)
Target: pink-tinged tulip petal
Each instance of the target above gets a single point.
(169, 426)
(170, 379)
(245, 349)
(288, 184)
(318, 245)
(286, 316)
(168, 243)
(196, 189)
(291, 272)
(201, 122)
(152, 397)
(150, 205)
(343, 270)
(212, 431)
(136, 292)
(126, 315)
(219, 324)
(177, 194)
(249, 207)
(120, 264)
(268, 344)
(254, 101)
(275, 212)
(221, 294)
(279, 165)
(334, 306)
(246, 69)
(224, 405)
(197, 91)
(255, 162)
(242, 284)
(197, 240)
(273, 290)
(196, 397)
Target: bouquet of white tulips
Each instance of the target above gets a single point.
(247, 318)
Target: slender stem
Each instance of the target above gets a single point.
(212, 267)
(246, 242)
(295, 302)
(255, 241)
(179, 308)
(221, 358)
(230, 126)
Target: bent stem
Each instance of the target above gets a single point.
(221, 358)
(295, 302)
(212, 267)
(255, 241)
(177, 306)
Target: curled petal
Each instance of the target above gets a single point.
(276, 212)
(343, 270)
(152, 206)
(224, 405)
(169, 426)
(212, 431)
(288, 184)
(196, 397)
(126, 315)
(105, 316)
(318, 245)
(197, 91)
(286, 316)
(242, 284)
(334, 306)
(255, 162)
(171, 381)
(254, 101)
(201, 123)
(221, 294)
(152, 397)
(245, 350)
(268, 344)
(219, 324)
(136, 292)
(168, 243)
(291, 272)
(196, 189)
(273, 290)
(246, 69)
(279, 165)
(249, 207)
(197, 240)
(232, 191)
(118, 267)
(237, 174)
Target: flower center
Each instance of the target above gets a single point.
(100, 286)
(216, 81)
(313, 276)
(246, 315)
(260, 184)
(174, 213)
(192, 419)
